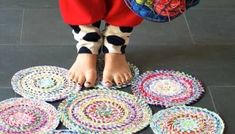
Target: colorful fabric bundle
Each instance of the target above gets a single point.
(186, 120)
(100, 67)
(26, 116)
(48, 83)
(160, 10)
(104, 111)
(167, 88)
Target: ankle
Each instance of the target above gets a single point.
(85, 55)
(115, 57)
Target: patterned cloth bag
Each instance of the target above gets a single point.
(160, 10)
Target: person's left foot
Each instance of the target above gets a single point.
(116, 70)
(83, 70)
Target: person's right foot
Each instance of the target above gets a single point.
(83, 71)
(116, 70)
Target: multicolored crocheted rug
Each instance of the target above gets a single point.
(167, 88)
(26, 116)
(104, 111)
(48, 83)
(160, 10)
(100, 67)
(64, 131)
(186, 120)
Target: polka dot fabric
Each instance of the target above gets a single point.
(26, 116)
(186, 120)
(105, 111)
(48, 83)
(167, 88)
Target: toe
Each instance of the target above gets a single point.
(127, 77)
(130, 76)
(107, 80)
(117, 80)
(81, 80)
(90, 79)
(75, 78)
(123, 79)
(71, 76)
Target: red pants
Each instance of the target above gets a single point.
(83, 12)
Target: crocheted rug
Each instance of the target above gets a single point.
(48, 83)
(160, 10)
(167, 88)
(63, 131)
(26, 116)
(104, 111)
(186, 120)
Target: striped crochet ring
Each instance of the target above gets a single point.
(186, 120)
(104, 111)
(100, 67)
(48, 83)
(167, 88)
(26, 116)
(160, 10)
(64, 131)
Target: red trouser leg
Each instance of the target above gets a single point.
(82, 12)
(118, 14)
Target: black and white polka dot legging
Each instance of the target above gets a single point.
(90, 39)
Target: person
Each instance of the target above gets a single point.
(84, 17)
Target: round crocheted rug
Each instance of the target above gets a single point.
(167, 88)
(26, 116)
(63, 131)
(160, 10)
(48, 83)
(104, 111)
(186, 120)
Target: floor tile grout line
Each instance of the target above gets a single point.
(33, 8)
(23, 45)
(159, 45)
(221, 85)
(195, 8)
(9, 44)
(22, 26)
(189, 30)
(15, 94)
(213, 102)
(5, 87)
(212, 8)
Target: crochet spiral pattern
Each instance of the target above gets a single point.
(167, 88)
(48, 83)
(26, 116)
(63, 132)
(160, 10)
(186, 120)
(104, 111)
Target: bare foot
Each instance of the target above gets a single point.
(83, 70)
(116, 70)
